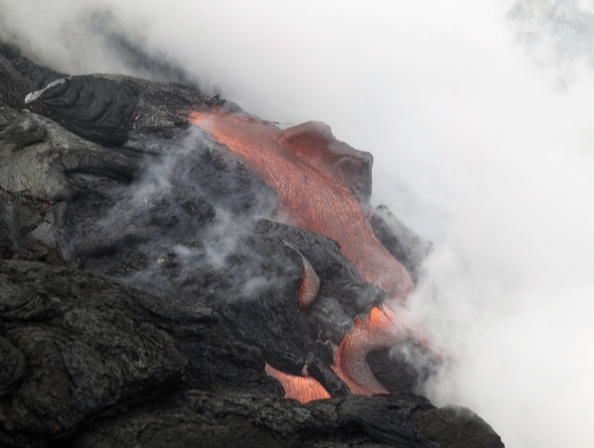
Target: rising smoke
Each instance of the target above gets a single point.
(559, 33)
(476, 147)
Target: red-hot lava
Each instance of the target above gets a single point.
(310, 285)
(295, 164)
(302, 388)
(309, 170)
(378, 329)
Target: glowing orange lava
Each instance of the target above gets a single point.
(302, 388)
(310, 285)
(293, 162)
(311, 172)
(376, 330)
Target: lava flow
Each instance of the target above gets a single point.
(311, 173)
(302, 388)
(378, 329)
(310, 189)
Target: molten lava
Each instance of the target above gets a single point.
(313, 175)
(302, 388)
(313, 193)
(376, 330)
(310, 285)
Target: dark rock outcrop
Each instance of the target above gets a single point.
(85, 346)
(404, 244)
(254, 421)
(13, 87)
(37, 76)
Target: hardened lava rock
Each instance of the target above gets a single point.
(145, 281)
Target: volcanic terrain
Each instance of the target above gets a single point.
(176, 272)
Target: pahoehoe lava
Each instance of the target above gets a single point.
(173, 270)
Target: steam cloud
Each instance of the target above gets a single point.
(476, 147)
(558, 32)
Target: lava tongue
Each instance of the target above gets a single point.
(302, 388)
(376, 330)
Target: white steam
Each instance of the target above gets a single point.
(476, 147)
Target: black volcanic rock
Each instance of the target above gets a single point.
(37, 76)
(96, 108)
(244, 420)
(84, 345)
(403, 243)
(144, 284)
(78, 345)
(113, 110)
(13, 87)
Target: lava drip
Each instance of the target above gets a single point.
(320, 188)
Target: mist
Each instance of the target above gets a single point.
(478, 114)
